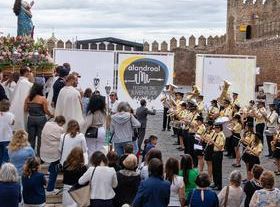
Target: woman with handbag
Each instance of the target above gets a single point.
(72, 138)
(73, 168)
(232, 195)
(102, 181)
(95, 124)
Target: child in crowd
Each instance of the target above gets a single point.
(7, 120)
(128, 149)
(33, 184)
(152, 142)
(113, 160)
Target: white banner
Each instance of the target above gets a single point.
(240, 71)
(144, 76)
(89, 64)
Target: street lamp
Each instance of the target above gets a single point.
(96, 82)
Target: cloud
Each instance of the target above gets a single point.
(128, 19)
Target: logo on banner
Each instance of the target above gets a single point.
(143, 77)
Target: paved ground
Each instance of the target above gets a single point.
(165, 142)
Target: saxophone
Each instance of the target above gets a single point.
(195, 92)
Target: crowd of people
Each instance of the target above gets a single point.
(78, 135)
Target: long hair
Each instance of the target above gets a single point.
(171, 169)
(186, 166)
(96, 103)
(31, 166)
(73, 128)
(75, 159)
(37, 89)
(17, 7)
(19, 140)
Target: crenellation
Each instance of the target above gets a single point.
(164, 46)
(182, 42)
(60, 44)
(146, 47)
(155, 46)
(201, 42)
(68, 44)
(210, 41)
(173, 44)
(192, 41)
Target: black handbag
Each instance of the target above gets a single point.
(92, 133)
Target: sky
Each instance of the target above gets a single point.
(134, 20)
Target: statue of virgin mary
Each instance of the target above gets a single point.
(22, 9)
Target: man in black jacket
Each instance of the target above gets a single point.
(2, 93)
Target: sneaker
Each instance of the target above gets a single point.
(54, 192)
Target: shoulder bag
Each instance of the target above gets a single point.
(226, 197)
(92, 132)
(59, 166)
(81, 193)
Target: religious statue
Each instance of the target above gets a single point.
(22, 9)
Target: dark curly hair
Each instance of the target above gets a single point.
(17, 7)
(37, 89)
(96, 103)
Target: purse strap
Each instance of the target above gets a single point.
(92, 176)
(226, 197)
(62, 146)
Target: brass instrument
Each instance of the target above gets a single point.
(224, 95)
(195, 92)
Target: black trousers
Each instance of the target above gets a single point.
(189, 146)
(101, 203)
(229, 146)
(166, 119)
(260, 130)
(268, 140)
(142, 133)
(217, 162)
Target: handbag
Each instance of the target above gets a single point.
(226, 196)
(92, 132)
(81, 193)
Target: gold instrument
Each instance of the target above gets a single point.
(225, 93)
(195, 92)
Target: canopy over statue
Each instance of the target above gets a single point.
(22, 9)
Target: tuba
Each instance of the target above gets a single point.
(224, 95)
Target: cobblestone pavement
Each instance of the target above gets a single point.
(165, 144)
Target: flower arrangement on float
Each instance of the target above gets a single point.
(16, 52)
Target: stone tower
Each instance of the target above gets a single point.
(252, 19)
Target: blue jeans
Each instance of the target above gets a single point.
(4, 157)
(53, 170)
(119, 147)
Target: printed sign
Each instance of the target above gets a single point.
(143, 77)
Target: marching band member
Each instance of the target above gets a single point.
(176, 106)
(166, 105)
(217, 162)
(260, 116)
(214, 111)
(227, 110)
(236, 130)
(200, 104)
(208, 149)
(190, 123)
(249, 112)
(271, 127)
(251, 154)
(276, 150)
(200, 131)
(235, 100)
(180, 116)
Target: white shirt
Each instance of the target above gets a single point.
(69, 143)
(103, 181)
(6, 123)
(273, 118)
(50, 140)
(177, 183)
(114, 107)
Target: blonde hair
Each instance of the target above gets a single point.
(19, 140)
(8, 173)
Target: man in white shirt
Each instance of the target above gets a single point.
(20, 93)
(69, 101)
(113, 102)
